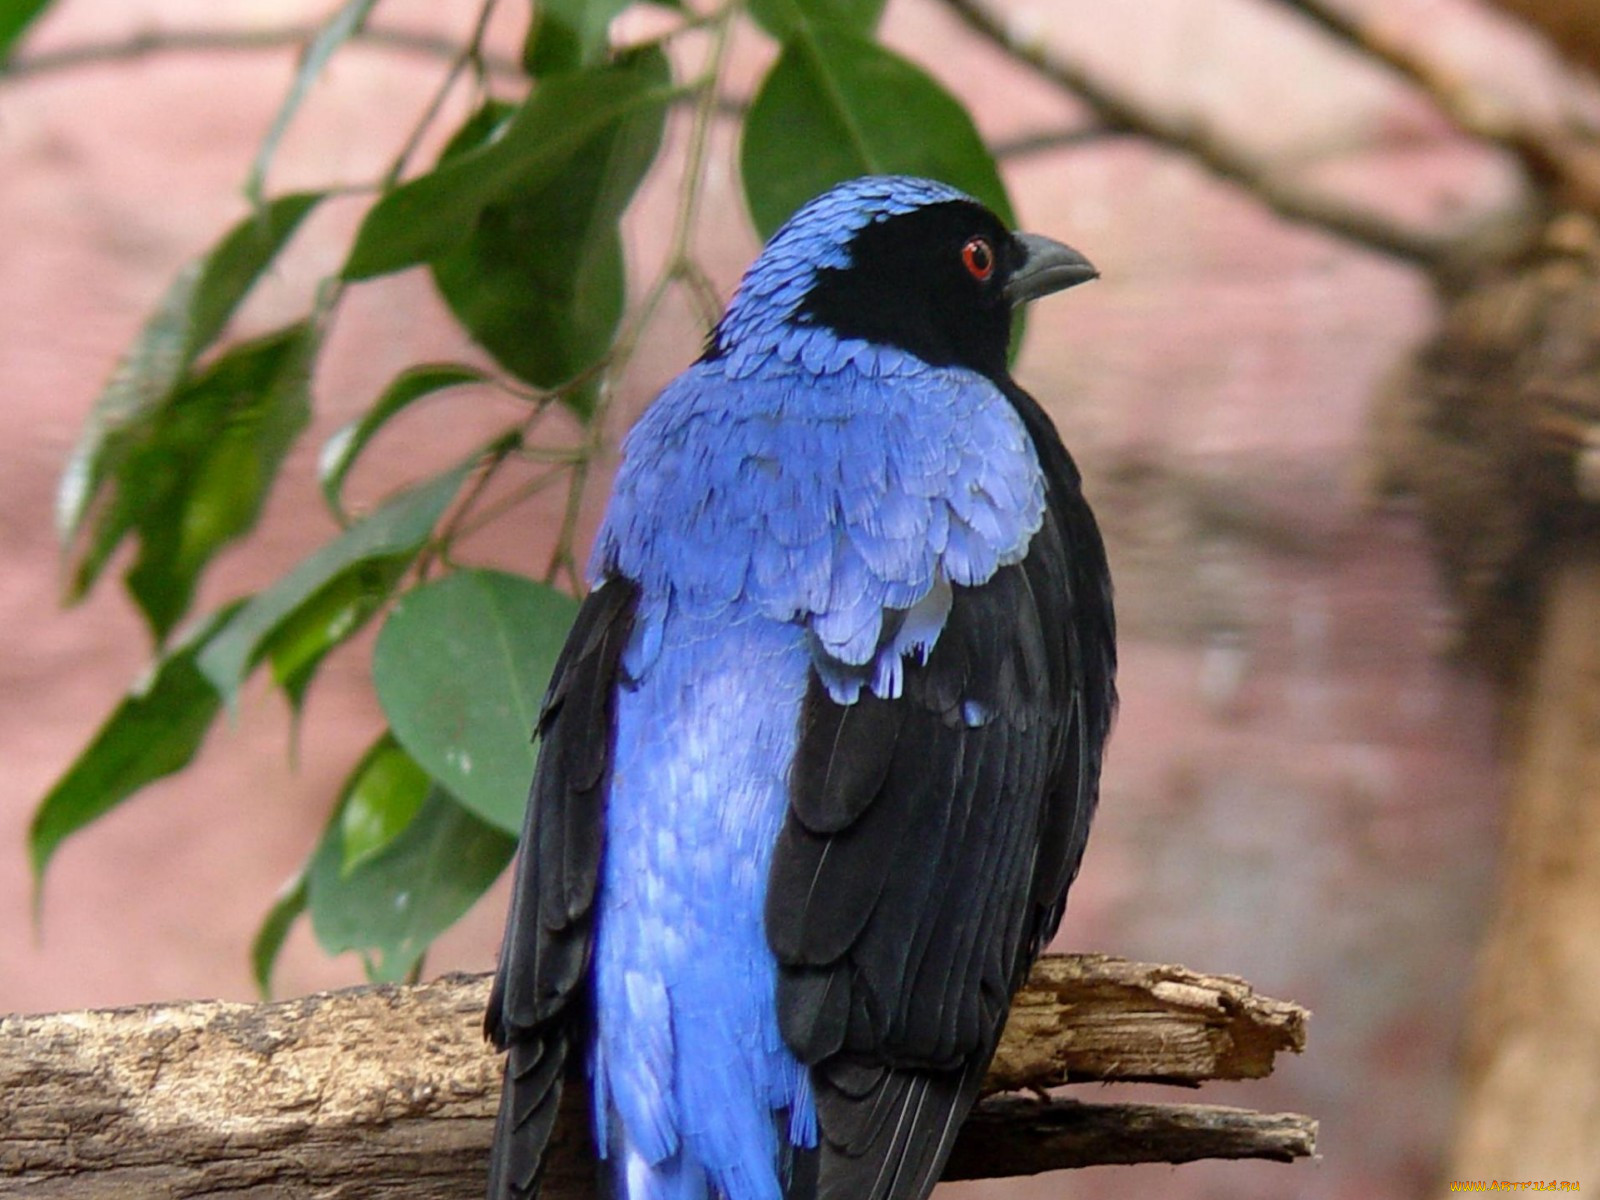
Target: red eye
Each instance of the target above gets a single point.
(978, 257)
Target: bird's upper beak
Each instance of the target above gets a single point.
(1049, 267)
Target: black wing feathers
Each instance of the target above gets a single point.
(1079, 573)
(830, 788)
(538, 999)
(529, 1101)
(929, 846)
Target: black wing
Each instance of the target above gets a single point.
(537, 1007)
(929, 846)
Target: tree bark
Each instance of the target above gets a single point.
(390, 1091)
(1531, 1087)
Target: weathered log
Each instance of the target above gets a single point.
(1013, 1135)
(1087, 1017)
(390, 1091)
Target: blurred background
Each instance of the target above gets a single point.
(1328, 687)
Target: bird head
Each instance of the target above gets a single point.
(895, 262)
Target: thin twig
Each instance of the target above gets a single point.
(525, 491)
(679, 267)
(439, 548)
(471, 52)
(1189, 136)
(152, 42)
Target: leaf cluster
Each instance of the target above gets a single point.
(517, 224)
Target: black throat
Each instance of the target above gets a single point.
(906, 287)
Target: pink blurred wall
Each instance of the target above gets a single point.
(1299, 790)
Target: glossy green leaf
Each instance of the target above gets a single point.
(338, 29)
(784, 18)
(330, 594)
(156, 730)
(385, 792)
(274, 931)
(15, 17)
(200, 475)
(564, 35)
(432, 214)
(340, 452)
(391, 907)
(191, 315)
(140, 387)
(567, 34)
(232, 268)
(327, 620)
(835, 106)
(461, 668)
(540, 281)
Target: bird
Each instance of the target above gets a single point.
(819, 757)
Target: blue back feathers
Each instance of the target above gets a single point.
(815, 479)
(794, 502)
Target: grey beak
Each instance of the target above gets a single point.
(1049, 267)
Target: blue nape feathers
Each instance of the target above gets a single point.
(820, 757)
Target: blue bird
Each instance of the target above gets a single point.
(820, 755)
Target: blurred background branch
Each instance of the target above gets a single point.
(1192, 136)
(153, 43)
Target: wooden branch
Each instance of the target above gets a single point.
(1011, 1135)
(1190, 136)
(390, 1091)
(1090, 1017)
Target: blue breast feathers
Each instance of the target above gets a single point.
(838, 485)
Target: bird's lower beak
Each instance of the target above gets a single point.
(1049, 267)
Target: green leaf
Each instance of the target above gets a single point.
(391, 907)
(199, 476)
(16, 16)
(567, 34)
(194, 311)
(232, 268)
(327, 620)
(268, 942)
(784, 18)
(156, 730)
(461, 669)
(339, 452)
(337, 30)
(540, 281)
(385, 792)
(377, 801)
(330, 594)
(835, 106)
(430, 215)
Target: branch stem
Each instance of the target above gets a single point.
(468, 54)
(150, 43)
